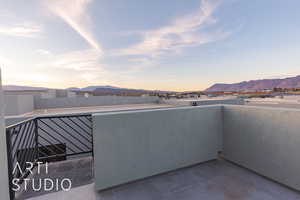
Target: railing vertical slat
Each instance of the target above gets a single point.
(36, 133)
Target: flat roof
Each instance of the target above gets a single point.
(90, 109)
(208, 99)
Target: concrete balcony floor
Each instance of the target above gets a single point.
(215, 180)
(79, 171)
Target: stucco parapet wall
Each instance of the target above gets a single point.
(263, 139)
(260, 107)
(132, 145)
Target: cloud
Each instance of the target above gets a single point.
(12, 25)
(29, 30)
(74, 13)
(73, 68)
(44, 52)
(13, 73)
(82, 60)
(5, 13)
(182, 32)
(85, 67)
(5, 61)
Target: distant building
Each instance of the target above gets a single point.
(43, 94)
(61, 93)
(83, 93)
(37, 94)
(25, 92)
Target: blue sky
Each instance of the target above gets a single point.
(168, 45)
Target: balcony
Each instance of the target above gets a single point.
(205, 152)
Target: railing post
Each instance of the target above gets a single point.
(92, 136)
(36, 133)
(10, 164)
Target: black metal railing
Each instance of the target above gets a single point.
(46, 139)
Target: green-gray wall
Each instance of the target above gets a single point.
(265, 140)
(136, 144)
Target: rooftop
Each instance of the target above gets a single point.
(89, 109)
(286, 102)
(210, 98)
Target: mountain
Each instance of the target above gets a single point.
(119, 91)
(292, 82)
(93, 88)
(97, 90)
(21, 88)
(112, 90)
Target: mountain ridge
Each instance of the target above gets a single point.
(261, 84)
(100, 88)
(21, 87)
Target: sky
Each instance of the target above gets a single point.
(163, 45)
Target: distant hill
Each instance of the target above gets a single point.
(120, 91)
(93, 88)
(21, 88)
(292, 82)
(112, 90)
(97, 90)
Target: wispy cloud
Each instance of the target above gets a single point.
(182, 32)
(44, 52)
(13, 73)
(5, 61)
(85, 67)
(75, 14)
(29, 30)
(73, 68)
(82, 60)
(5, 13)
